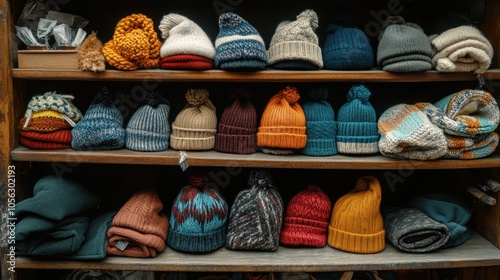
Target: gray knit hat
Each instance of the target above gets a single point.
(294, 44)
(403, 47)
(195, 126)
(148, 128)
(256, 216)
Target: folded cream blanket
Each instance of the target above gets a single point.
(462, 49)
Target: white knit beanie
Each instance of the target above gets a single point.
(297, 40)
(183, 36)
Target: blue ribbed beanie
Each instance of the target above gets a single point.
(320, 123)
(148, 129)
(239, 45)
(101, 128)
(346, 47)
(198, 217)
(357, 131)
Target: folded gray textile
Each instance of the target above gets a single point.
(413, 231)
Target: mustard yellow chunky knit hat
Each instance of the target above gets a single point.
(356, 223)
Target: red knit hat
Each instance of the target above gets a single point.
(140, 225)
(306, 220)
(186, 62)
(237, 131)
(59, 139)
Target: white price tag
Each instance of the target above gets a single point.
(121, 244)
(183, 160)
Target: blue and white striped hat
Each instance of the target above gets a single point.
(239, 45)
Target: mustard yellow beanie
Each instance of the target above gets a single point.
(356, 223)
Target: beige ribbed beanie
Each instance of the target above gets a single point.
(195, 126)
(462, 49)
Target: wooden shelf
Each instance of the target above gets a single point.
(475, 252)
(267, 75)
(213, 158)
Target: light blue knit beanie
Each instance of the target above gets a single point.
(238, 45)
(101, 128)
(357, 131)
(148, 129)
(346, 47)
(320, 122)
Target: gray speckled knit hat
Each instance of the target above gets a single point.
(403, 47)
(148, 128)
(256, 216)
(101, 128)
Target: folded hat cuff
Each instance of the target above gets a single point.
(303, 235)
(355, 242)
(357, 147)
(186, 62)
(230, 129)
(320, 147)
(150, 240)
(196, 242)
(60, 136)
(107, 138)
(139, 140)
(42, 145)
(235, 143)
(296, 50)
(243, 64)
(406, 58)
(288, 137)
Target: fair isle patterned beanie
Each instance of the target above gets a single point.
(256, 216)
(346, 47)
(148, 129)
(294, 44)
(306, 220)
(407, 133)
(199, 217)
(195, 126)
(320, 123)
(101, 128)
(186, 45)
(357, 131)
(403, 47)
(238, 45)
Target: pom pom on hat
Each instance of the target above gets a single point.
(197, 97)
(294, 44)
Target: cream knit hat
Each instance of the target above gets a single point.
(462, 49)
(295, 41)
(183, 36)
(195, 126)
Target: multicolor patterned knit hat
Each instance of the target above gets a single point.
(198, 218)
(256, 216)
(306, 220)
(357, 131)
(102, 125)
(239, 45)
(195, 126)
(134, 45)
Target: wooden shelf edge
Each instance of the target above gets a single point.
(261, 160)
(267, 75)
(474, 253)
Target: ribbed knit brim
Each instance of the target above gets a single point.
(287, 137)
(303, 232)
(356, 243)
(196, 242)
(186, 61)
(236, 143)
(60, 139)
(357, 137)
(241, 53)
(146, 141)
(295, 50)
(192, 139)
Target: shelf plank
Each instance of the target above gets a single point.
(267, 75)
(213, 158)
(475, 252)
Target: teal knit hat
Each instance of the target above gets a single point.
(320, 123)
(357, 131)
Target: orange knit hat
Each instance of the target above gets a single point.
(140, 226)
(283, 122)
(135, 44)
(356, 224)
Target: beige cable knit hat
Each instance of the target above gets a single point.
(295, 43)
(462, 49)
(195, 126)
